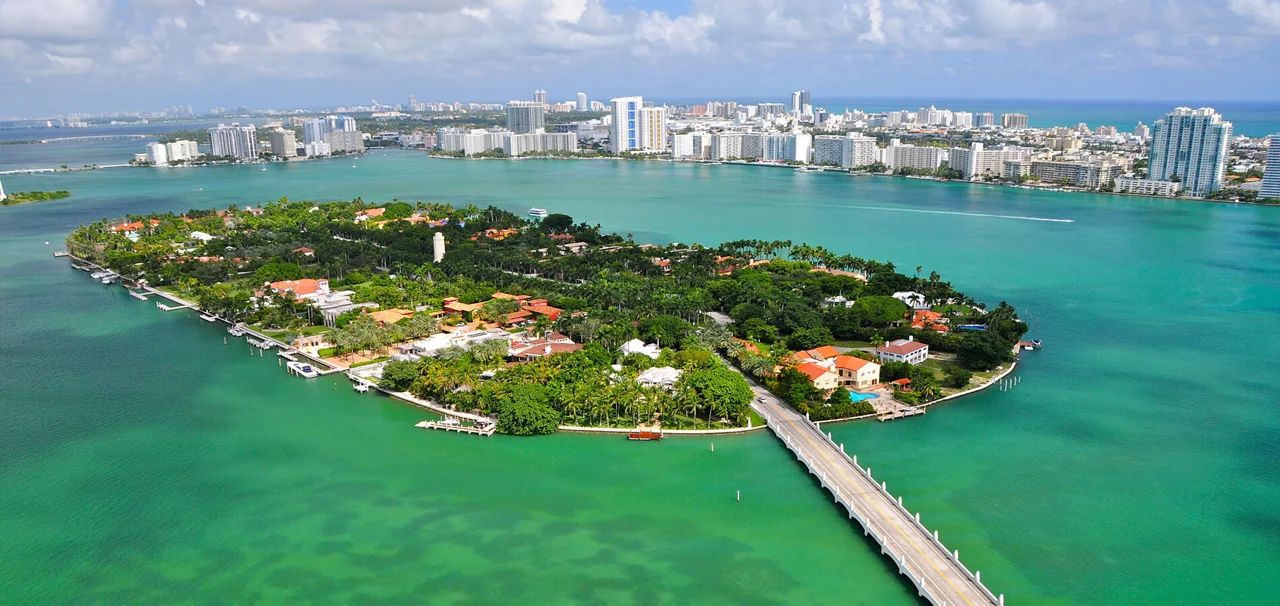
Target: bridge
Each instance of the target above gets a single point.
(919, 554)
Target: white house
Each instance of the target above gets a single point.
(856, 372)
(660, 376)
(903, 350)
(823, 377)
(913, 299)
(636, 346)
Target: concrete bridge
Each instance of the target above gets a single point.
(919, 554)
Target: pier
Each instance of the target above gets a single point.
(482, 429)
(918, 553)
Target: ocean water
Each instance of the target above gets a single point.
(1137, 462)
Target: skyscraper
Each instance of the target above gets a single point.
(1190, 145)
(1271, 178)
(582, 102)
(1141, 131)
(540, 96)
(240, 142)
(624, 133)
(800, 101)
(283, 142)
(653, 129)
(525, 116)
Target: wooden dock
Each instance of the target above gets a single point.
(917, 552)
(486, 430)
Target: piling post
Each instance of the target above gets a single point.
(713, 447)
(977, 576)
(739, 496)
(956, 555)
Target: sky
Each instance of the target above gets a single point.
(117, 55)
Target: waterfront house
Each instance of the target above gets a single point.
(369, 213)
(824, 378)
(903, 350)
(305, 289)
(525, 347)
(665, 377)
(929, 320)
(856, 372)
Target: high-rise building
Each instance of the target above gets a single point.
(582, 102)
(157, 154)
(1190, 145)
(525, 116)
(181, 150)
(284, 143)
(982, 119)
(636, 127)
(1013, 120)
(1271, 177)
(800, 101)
(850, 151)
(240, 142)
(540, 96)
(1141, 131)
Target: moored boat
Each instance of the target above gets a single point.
(538, 212)
(644, 436)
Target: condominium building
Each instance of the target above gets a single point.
(581, 105)
(540, 96)
(239, 142)
(1147, 187)
(345, 141)
(284, 143)
(976, 161)
(157, 154)
(785, 147)
(915, 157)
(317, 129)
(726, 146)
(1080, 174)
(801, 103)
(850, 151)
(1013, 120)
(1271, 176)
(470, 142)
(984, 119)
(636, 127)
(1141, 131)
(691, 146)
(182, 150)
(516, 144)
(1190, 145)
(525, 116)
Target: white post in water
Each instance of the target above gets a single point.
(739, 496)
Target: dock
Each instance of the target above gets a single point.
(901, 412)
(918, 553)
(486, 429)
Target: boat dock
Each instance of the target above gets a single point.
(480, 429)
(917, 552)
(900, 412)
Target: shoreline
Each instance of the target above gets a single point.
(959, 394)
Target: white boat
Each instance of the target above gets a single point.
(808, 169)
(97, 275)
(302, 369)
(360, 387)
(538, 212)
(208, 318)
(236, 331)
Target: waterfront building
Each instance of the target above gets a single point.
(916, 157)
(726, 146)
(962, 120)
(525, 116)
(984, 119)
(1190, 145)
(316, 149)
(977, 162)
(345, 141)
(314, 130)
(770, 110)
(1141, 131)
(284, 142)
(785, 147)
(850, 151)
(903, 350)
(581, 105)
(470, 142)
(1130, 184)
(1271, 175)
(1079, 174)
(1013, 120)
(653, 129)
(236, 141)
(516, 144)
(624, 132)
(540, 96)
(157, 154)
(182, 150)
(691, 146)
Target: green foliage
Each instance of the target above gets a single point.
(809, 338)
(23, 197)
(557, 222)
(526, 411)
(877, 310)
(957, 377)
(277, 271)
(725, 392)
(795, 388)
(665, 329)
(398, 375)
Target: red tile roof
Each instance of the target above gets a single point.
(813, 371)
(851, 363)
(903, 348)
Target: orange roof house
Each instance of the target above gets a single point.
(370, 213)
(931, 320)
(305, 288)
(386, 317)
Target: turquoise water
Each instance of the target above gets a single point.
(859, 397)
(1137, 462)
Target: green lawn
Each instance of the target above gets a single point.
(853, 344)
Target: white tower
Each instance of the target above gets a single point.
(437, 247)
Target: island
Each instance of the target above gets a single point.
(24, 197)
(544, 324)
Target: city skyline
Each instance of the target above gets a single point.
(95, 55)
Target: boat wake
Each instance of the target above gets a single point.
(959, 213)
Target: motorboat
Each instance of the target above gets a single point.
(208, 318)
(302, 369)
(538, 212)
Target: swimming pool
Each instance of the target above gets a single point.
(856, 397)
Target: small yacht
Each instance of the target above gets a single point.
(302, 369)
(208, 318)
(808, 169)
(361, 387)
(538, 212)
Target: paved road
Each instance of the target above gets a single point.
(936, 574)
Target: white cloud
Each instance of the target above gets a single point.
(1265, 12)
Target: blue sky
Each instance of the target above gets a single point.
(93, 55)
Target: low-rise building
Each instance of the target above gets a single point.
(903, 350)
(1148, 187)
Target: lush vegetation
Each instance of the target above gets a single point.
(24, 197)
(610, 289)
